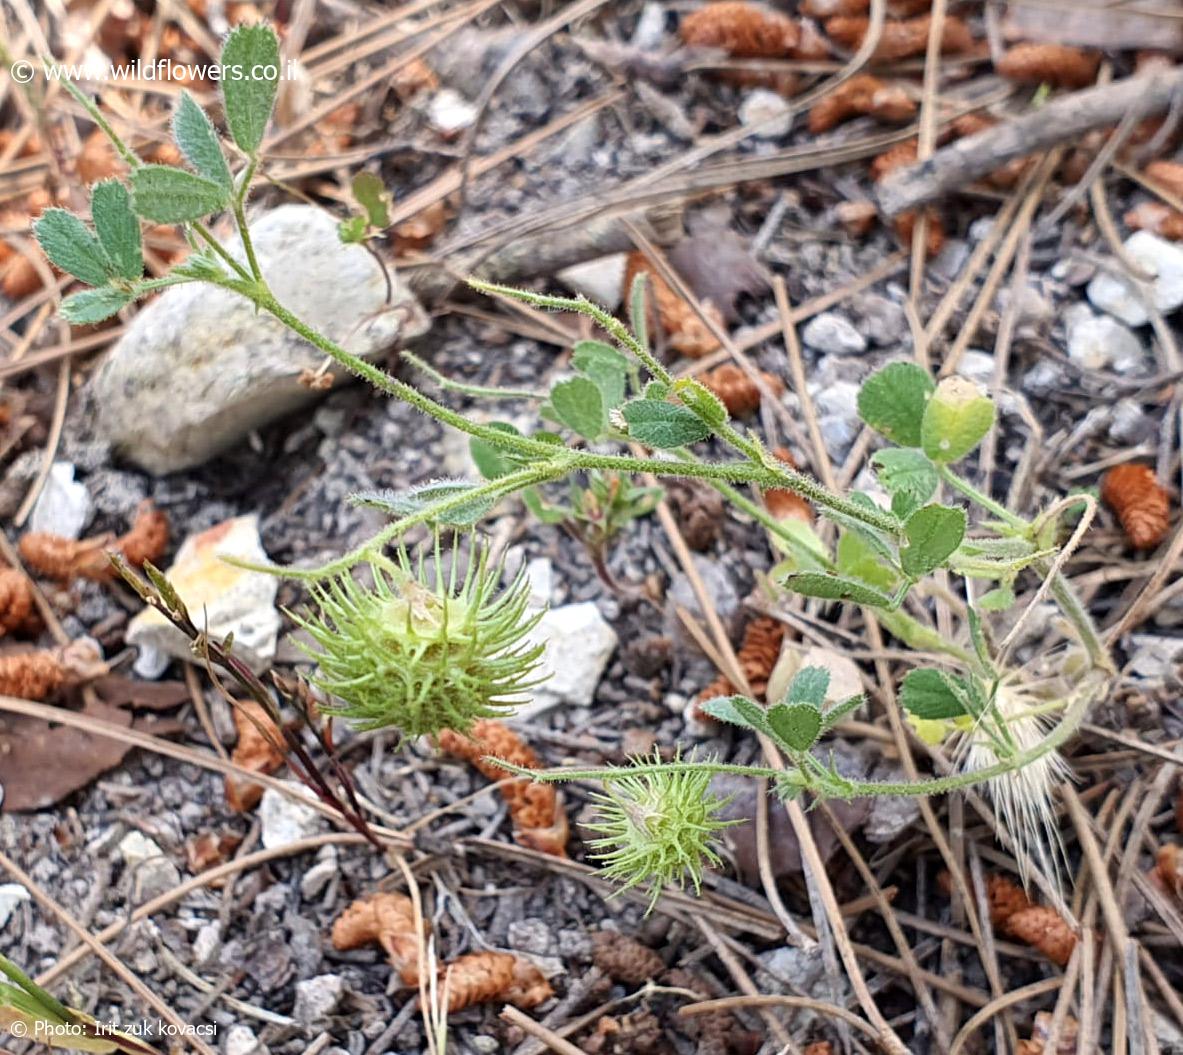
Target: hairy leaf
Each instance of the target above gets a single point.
(95, 305)
(934, 532)
(371, 194)
(492, 461)
(932, 694)
(579, 404)
(997, 600)
(415, 500)
(892, 402)
(956, 419)
(738, 710)
(118, 229)
(836, 588)
(164, 194)
(809, 685)
(250, 78)
(797, 725)
(707, 406)
(72, 246)
(605, 366)
(663, 425)
(908, 476)
(857, 559)
(195, 135)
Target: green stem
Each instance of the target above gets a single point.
(982, 499)
(477, 391)
(96, 115)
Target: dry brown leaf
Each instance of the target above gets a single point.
(1141, 503)
(900, 39)
(539, 818)
(1041, 1034)
(1056, 64)
(208, 850)
(257, 750)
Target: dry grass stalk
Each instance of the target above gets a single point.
(539, 819)
(1140, 502)
(860, 96)
(1055, 64)
(1008, 175)
(737, 391)
(687, 333)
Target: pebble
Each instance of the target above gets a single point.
(833, 334)
(64, 506)
(199, 368)
(1113, 294)
(1044, 378)
(1153, 656)
(228, 599)
(600, 280)
(285, 821)
(1099, 342)
(151, 871)
(768, 112)
(881, 318)
(579, 643)
(530, 935)
(317, 998)
(207, 944)
(720, 588)
(1131, 424)
(950, 261)
(977, 366)
(11, 895)
(240, 1040)
(450, 113)
(314, 881)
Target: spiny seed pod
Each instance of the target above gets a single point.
(1157, 218)
(900, 40)
(624, 959)
(65, 558)
(536, 809)
(859, 96)
(258, 749)
(687, 333)
(16, 601)
(657, 827)
(1055, 64)
(147, 539)
(1140, 502)
(422, 650)
(743, 30)
(783, 503)
(737, 391)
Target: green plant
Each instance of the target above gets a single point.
(621, 415)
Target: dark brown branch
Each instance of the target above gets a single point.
(1059, 121)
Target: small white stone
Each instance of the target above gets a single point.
(285, 820)
(579, 643)
(977, 366)
(317, 998)
(63, 507)
(650, 28)
(227, 599)
(11, 895)
(833, 334)
(152, 872)
(1160, 258)
(314, 881)
(769, 111)
(1152, 656)
(600, 280)
(450, 113)
(540, 575)
(240, 1040)
(207, 944)
(1099, 341)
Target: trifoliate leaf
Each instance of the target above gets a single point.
(932, 694)
(198, 140)
(908, 476)
(579, 404)
(352, 230)
(95, 305)
(663, 425)
(72, 246)
(797, 725)
(857, 559)
(605, 366)
(958, 415)
(250, 78)
(892, 402)
(118, 229)
(836, 588)
(371, 194)
(164, 194)
(933, 532)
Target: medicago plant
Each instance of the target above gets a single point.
(417, 650)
